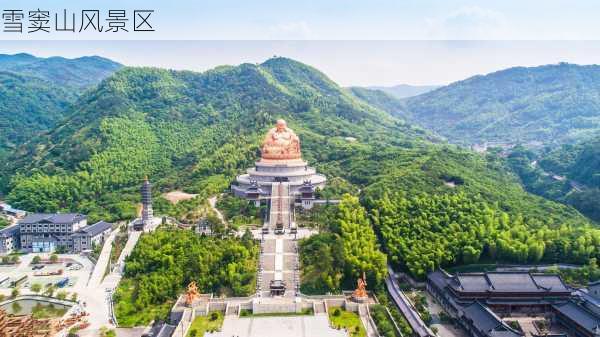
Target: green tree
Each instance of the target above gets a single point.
(61, 295)
(36, 287)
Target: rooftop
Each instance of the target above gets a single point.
(9, 230)
(56, 218)
(96, 228)
(500, 282)
(487, 322)
(580, 315)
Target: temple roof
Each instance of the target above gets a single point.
(487, 322)
(508, 282)
(578, 314)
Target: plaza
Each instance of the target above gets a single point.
(288, 326)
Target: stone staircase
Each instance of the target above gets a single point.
(320, 307)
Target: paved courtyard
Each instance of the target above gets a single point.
(292, 326)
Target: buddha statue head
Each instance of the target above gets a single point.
(281, 143)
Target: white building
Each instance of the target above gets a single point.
(9, 239)
(91, 236)
(43, 232)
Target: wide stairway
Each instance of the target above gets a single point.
(280, 205)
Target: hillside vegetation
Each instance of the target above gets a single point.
(196, 131)
(164, 263)
(186, 130)
(569, 174)
(36, 93)
(550, 104)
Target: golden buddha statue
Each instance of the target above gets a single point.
(360, 293)
(281, 143)
(191, 293)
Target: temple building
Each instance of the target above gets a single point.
(280, 177)
(478, 300)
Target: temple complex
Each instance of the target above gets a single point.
(280, 178)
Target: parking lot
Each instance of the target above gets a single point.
(70, 274)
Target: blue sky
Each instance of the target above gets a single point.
(348, 19)
(366, 42)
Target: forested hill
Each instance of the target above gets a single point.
(79, 73)
(569, 173)
(185, 129)
(197, 131)
(548, 104)
(35, 92)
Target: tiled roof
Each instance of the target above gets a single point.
(508, 282)
(96, 228)
(473, 282)
(9, 231)
(487, 321)
(550, 282)
(584, 294)
(579, 315)
(439, 278)
(57, 218)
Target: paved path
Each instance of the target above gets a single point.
(212, 201)
(98, 295)
(102, 262)
(278, 261)
(293, 326)
(280, 209)
(412, 317)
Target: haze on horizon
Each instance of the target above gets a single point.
(349, 63)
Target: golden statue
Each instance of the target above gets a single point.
(191, 293)
(281, 143)
(361, 289)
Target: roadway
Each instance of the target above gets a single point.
(410, 313)
(98, 293)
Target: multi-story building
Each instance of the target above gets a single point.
(90, 236)
(475, 301)
(9, 239)
(42, 232)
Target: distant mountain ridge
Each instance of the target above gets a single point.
(79, 73)
(36, 92)
(401, 91)
(549, 104)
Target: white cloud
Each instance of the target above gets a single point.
(468, 23)
(297, 30)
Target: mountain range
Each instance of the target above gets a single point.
(545, 105)
(36, 93)
(432, 203)
(401, 91)
(196, 131)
